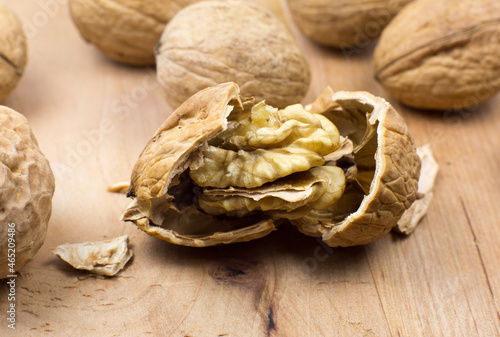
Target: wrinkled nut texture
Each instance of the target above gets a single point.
(344, 23)
(27, 186)
(441, 54)
(213, 42)
(126, 30)
(13, 52)
(345, 169)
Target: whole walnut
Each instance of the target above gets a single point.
(213, 42)
(126, 30)
(13, 52)
(344, 23)
(441, 54)
(27, 186)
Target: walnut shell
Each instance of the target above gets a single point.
(387, 171)
(381, 170)
(27, 185)
(344, 23)
(127, 30)
(105, 258)
(13, 52)
(213, 42)
(441, 54)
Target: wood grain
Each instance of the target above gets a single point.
(92, 117)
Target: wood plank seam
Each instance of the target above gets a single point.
(469, 222)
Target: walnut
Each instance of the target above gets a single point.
(344, 23)
(27, 186)
(13, 52)
(344, 168)
(128, 30)
(441, 54)
(213, 42)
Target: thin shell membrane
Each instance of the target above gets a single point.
(386, 175)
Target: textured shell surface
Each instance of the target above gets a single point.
(27, 185)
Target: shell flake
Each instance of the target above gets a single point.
(102, 257)
(412, 216)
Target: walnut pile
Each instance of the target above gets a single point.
(13, 52)
(222, 169)
(212, 42)
(27, 186)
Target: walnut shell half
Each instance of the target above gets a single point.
(366, 179)
(441, 54)
(213, 42)
(13, 52)
(27, 186)
(385, 179)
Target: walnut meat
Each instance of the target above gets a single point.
(213, 42)
(344, 23)
(27, 186)
(441, 54)
(13, 52)
(344, 168)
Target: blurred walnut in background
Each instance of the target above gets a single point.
(13, 52)
(128, 30)
(213, 42)
(344, 23)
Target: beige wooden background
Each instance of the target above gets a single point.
(92, 117)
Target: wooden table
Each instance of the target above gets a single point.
(92, 117)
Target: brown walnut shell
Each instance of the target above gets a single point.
(13, 52)
(382, 170)
(441, 54)
(128, 30)
(213, 42)
(344, 23)
(27, 186)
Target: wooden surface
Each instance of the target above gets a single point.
(92, 117)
